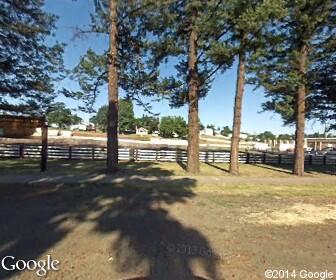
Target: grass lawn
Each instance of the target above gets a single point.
(28, 166)
(214, 226)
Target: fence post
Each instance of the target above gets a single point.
(176, 155)
(279, 159)
(325, 160)
(93, 153)
(157, 155)
(247, 157)
(21, 150)
(70, 152)
(264, 158)
(44, 150)
(136, 154)
(213, 156)
(206, 156)
(131, 154)
(310, 159)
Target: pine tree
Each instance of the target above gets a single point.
(322, 77)
(291, 68)
(244, 21)
(113, 80)
(184, 29)
(28, 65)
(124, 64)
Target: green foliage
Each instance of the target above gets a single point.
(171, 24)
(28, 65)
(138, 76)
(285, 137)
(62, 116)
(212, 126)
(242, 23)
(100, 119)
(151, 123)
(266, 135)
(310, 23)
(226, 131)
(127, 121)
(171, 124)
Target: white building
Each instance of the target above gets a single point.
(207, 131)
(285, 147)
(217, 132)
(259, 146)
(81, 126)
(141, 131)
(241, 135)
(156, 133)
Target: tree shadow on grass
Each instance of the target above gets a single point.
(80, 167)
(329, 169)
(217, 167)
(275, 167)
(182, 164)
(150, 242)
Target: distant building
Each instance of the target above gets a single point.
(17, 126)
(207, 131)
(259, 146)
(217, 132)
(286, 147)
(53, 125)
(141, 131)
(318, 144)
(155, 133)
(81, 126)
(241, 135)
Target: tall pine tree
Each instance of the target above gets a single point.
(244, 21)
(125, 63)
(296, 67)
(28, 65)
(185, 30)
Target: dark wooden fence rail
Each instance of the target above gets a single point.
(152, 154)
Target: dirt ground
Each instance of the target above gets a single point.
(170, 229)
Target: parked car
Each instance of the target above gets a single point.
(310, 152)
(328, 151)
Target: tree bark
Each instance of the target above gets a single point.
(112, 118)
(299, 159)
(234, 160)
(193, 165)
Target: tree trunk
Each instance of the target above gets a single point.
(300, 116)
(112, 118)
(193, 119)
(234, 161)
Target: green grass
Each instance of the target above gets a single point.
(87, 167)
(258, 181)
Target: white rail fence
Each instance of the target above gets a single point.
(152, 154)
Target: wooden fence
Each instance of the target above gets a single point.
(152, 154)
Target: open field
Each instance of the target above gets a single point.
(148, 220)
(87, 167)
(94, 134)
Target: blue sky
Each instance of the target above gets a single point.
(216, 108)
